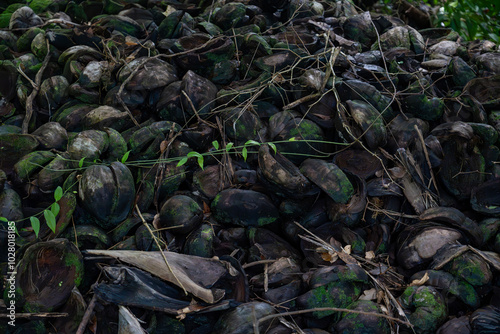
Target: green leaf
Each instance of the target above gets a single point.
(494, 38)
(200, 161)
(125, 157)
(229, 146)
(273, 147)
(215, 143)
(58, 194)
(55, 208)
(182, 161)
(3, 219)
(193, 154)
(252, 142)
(244, 153)
(80, 163)
(292, 139)
(50, 220)
(35, 223)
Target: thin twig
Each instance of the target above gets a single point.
(329, 69)
(18, 68)
(301, 100)
(201, 120)
(424, 148)
(321, 309)
(122, 86)
(34, 92)
(86, 316)
(160, 172)
(41, 315)
(255, 263)
(227, 164)
(190, 50)
(160, 248)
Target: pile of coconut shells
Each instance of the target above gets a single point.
(274, 166)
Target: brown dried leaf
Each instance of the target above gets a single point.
(421, 281)
(329, 257)
(163, 146)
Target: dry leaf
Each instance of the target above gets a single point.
(421, 281)
(93, 324)
(128, 322)
(370, 294)
(156, 221)
(397, 172)
(329, 257)
(380, 296)
(169, 10)
(206, 208)
(370, 255)
(163, 146)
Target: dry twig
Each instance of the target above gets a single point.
(34, 92)
(160, 248)
(86, 316)
(322, 309)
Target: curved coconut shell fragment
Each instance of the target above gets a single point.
(329, 178)
(282, 174)
(358, 162)
(370, 122)
(486, 198)
(429, 309)
(485, 90)
(244, 208)
(47, 274)
(13, 147)
(75, 306)
(242, 318)
(456, 219)
(107, 192)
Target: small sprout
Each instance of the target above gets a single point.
(215, 144)
(35, 223)
(197, 155)
(125, 157)
(80, 163)
(3, 219)
(229, 146)
(292, 139)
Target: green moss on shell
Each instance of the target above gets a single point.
(75, 261)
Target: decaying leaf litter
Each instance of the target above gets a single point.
(303, 166)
